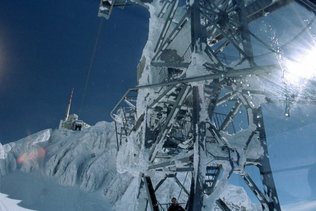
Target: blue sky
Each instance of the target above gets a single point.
(46, 49)
(292, 152)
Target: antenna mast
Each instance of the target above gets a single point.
(69, 105)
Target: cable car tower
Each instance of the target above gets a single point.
(195, 117)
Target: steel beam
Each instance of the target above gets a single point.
(264, 167)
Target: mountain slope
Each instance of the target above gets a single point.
(71, 170)
(85, 160)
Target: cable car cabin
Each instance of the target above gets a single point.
(106, 7)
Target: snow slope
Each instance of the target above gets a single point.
(38, 192)
(84, 160)
(7, 204)
(68, 170)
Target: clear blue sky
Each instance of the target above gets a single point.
(292, 151)
(45, 51)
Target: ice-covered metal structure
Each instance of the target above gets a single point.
(195, 117)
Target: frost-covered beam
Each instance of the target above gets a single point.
(238, 73)
(172, 163)
(222, 21)
(129, 94)
(196, 28)
(213, 90)
(213, 57)
(164, 8)
(169, 121)
(264, 167)
(268, 198)
(181, 185)
(124, 116)
(165, 93)
(216, 135)
(174, 5)
(160, 183)
(163, 55)
(151, 194)
(254, 188)
(245, 37)
(259, 8)
(226, 97)
(222, 205)
(196, 194)
(232, 39)
(230, 116)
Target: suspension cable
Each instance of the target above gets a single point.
(90, 66)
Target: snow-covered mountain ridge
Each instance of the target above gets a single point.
(85, 159)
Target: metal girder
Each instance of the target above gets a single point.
(167, 24)
(165, 56)
(124, 116)
(260, 196)
(151, 198)
(260, 8)
(177, 138)
(256, 10)
(258, 70)
(196, 28)
(196, 193)
(230, 116)
(158, 145)
(212, 91)
(245, 37)
(222, 19)
(151, 193)
(181, 185)
(171, 163)
(264, 167)
(221, 204)
(214, 58)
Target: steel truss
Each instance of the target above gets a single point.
(206, 126)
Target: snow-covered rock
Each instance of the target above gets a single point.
(85, 159)
(84, 164)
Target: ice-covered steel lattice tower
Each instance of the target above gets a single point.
(195, 117)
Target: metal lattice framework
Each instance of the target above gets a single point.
(210, 125)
